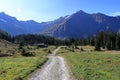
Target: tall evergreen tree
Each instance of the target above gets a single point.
(97, 44)
(117, 44)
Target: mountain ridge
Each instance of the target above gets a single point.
(82, 24)
(15, 27)
(76, 25)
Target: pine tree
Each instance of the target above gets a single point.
(108, 45)
(21, 46)
(97, 44)
(109, 41)
(117, 44)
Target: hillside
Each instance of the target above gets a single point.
(7, 48)
(82, 24)
(14, 27)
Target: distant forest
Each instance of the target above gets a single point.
(106, 40)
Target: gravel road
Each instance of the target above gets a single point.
(54, 69)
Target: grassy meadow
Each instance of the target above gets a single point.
(14, 66)
(90, 65)
(39, 51)
(84, 62)
(19, 68)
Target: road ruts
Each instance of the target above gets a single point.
(54, 69)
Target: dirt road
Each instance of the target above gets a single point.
(54, 69)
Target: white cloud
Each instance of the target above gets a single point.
(115, 14)
(19, 10)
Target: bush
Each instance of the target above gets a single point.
(76, 47)
(26, 53)
(81, 49)
(5, 55)
(19, 78)
(21, 46)
(49, 51)
(73, 50)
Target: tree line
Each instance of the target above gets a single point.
(106, 40)
(31, 39)
(4, 35)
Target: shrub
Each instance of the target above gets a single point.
(19, 78)
(26, 53)
(76, 47)
(49, 51)
(81, 49)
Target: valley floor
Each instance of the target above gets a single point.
(84, 64)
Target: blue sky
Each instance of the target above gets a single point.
(47, 10)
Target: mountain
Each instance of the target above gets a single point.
(15, 27)
(79, 24)
(82, 24)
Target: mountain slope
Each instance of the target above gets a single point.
(81, 24)
(15, 27)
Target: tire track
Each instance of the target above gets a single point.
(54, 69)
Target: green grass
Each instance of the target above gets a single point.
(19, 68)
(39, 51)
(92, 65)
(13, 66)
